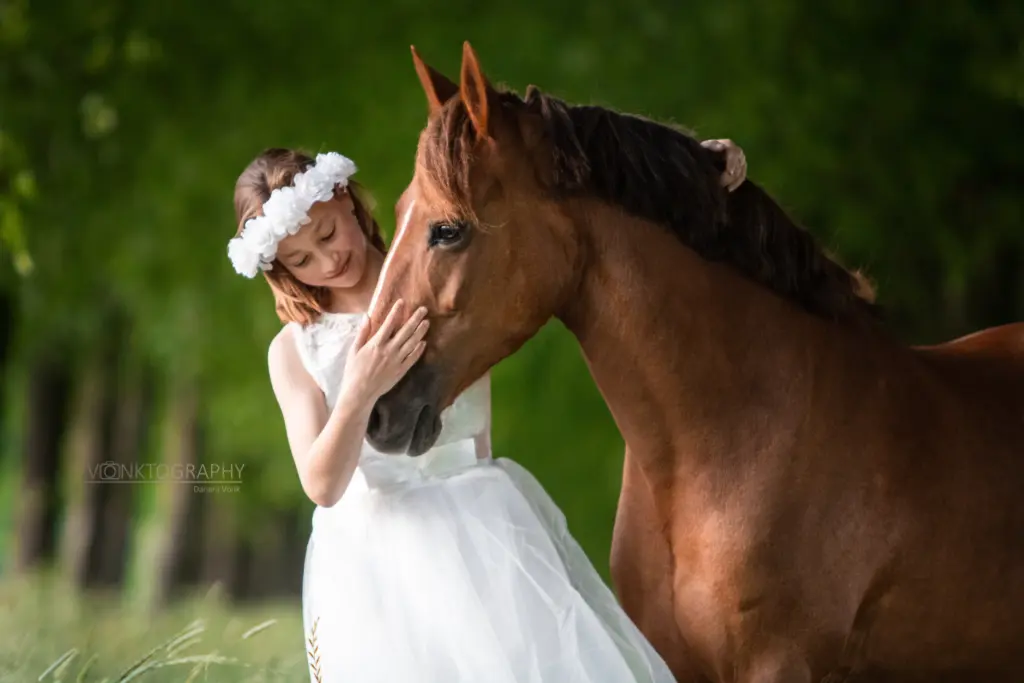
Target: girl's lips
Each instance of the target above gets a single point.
(344, 267)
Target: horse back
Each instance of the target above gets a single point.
(989, 364)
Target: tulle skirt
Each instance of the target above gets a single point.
(467, 578)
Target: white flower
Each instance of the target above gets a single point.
(286, 211)
(245, 260)
(336, 167)
(314, 184)
(259, 235)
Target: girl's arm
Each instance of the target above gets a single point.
(325, 445)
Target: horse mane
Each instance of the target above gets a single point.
(661, 173)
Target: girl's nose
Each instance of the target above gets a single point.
(332, 263)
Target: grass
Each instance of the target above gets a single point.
(48, 633)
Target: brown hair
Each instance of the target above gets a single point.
(274, 168)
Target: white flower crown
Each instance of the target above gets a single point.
(285, 211)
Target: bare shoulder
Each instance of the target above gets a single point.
(286, 370)
(298, 395)
(282, 353)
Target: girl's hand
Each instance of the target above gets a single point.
(375, 364)
(735, 162)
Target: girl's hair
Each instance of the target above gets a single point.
(274, 168)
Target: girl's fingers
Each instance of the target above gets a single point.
(409, 360)
(411, 327)
(417, 335)
(363, 335)
(740, 175)
(387, 328)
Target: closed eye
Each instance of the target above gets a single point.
(329, 236)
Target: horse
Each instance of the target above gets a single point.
(803, 495)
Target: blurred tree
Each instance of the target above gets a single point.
(181, 556)
(47, 398)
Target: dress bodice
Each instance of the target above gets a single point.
(324, 346)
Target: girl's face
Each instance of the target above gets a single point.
(330, 250)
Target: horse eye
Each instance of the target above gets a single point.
(445, 234)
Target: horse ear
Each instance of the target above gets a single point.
(477, 94)
(438, 88)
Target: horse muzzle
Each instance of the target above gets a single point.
(406, 420)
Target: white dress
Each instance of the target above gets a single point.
(453, 568)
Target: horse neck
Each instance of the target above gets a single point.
(688, 355)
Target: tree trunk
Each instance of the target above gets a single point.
(269, 564)
(243, 579)
(93, 426)
(266, 559)
(223, 555)
(114, 411)
(296, 541)
(88, 445)
(48, 391)
(182, 552)
(280, 556)
(131, 420)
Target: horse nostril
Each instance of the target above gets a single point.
(376, 421)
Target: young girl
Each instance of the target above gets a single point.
(450, 567)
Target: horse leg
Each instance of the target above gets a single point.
(641, 569)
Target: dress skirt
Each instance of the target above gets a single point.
(466, 577)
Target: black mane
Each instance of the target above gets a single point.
(662, 174)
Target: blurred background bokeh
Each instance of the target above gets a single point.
(893, 130)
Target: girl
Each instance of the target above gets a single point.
(446, 568)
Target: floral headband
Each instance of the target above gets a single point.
(285, 211)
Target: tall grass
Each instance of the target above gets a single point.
(49, 633)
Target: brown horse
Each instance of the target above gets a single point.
(802, 495)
